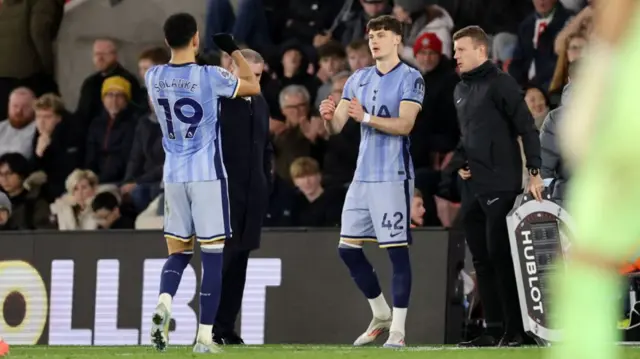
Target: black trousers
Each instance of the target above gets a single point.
(485, 227)
(234, 276)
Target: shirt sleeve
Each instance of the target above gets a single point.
(413, 88)
(349, 91)
(223, 82)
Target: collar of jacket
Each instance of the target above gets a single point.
(480, 72)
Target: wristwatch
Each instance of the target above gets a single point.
(534, 171)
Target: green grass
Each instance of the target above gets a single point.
(285, 351)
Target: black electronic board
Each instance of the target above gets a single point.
(539, 233)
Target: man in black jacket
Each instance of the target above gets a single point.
(492, 115)
(247, 158)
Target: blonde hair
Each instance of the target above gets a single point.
(417, 193)
(78, 175)
(50, 101)
(303, 167)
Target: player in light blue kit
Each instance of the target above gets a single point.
(385, 99)
(185, 98)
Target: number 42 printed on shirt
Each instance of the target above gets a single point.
(177, 110)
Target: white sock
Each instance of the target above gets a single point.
(165, 299)
(379, 307)
(204, 334)
(399, 317)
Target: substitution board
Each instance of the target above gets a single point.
(539, 233)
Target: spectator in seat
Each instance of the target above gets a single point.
(417, 209)
(305, 19)
(419, 16)
(553, 171)
(146, 161)
(105, 60)
(359, 55)
(356, 27)
(147, 59)
(16, 134)
(5, 213)
(574, 48)
(300, 137)
(72, 211)
(249, 24)
(30, 211)
(28, 30)
(291, 70)
(341, 154)
(111, 134)
(106, 212)
(538, 104)
(314, 206)
(436, 132)
(333, 59)
(57, 146)
(581, 24)
(534, 58)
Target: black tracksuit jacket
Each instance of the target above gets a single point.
(492, 114)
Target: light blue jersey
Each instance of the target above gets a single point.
(383, 157)
(185, 98)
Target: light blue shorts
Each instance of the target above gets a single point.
(378, 211)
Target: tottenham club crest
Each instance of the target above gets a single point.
(539, 233)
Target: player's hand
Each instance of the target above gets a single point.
(225, 42)
(327, 108)
(355, 110)
(464, 173)
(536, 186)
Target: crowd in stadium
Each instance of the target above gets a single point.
(100, 165)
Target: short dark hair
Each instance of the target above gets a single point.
(17, 163)
(359, 44)
(385, 22)
(104, 200)
(179, 29)
(157, 55)
(477, 35)
(542, 91)
(331, 49)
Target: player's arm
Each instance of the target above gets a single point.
(337, 115)
(398, 126)
(509, 98)
(410, 98)
(248, 84)
(340, 118)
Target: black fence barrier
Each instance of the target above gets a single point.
(99, 288)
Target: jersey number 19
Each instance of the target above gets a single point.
(193, 120)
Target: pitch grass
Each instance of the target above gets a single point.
(286, 351)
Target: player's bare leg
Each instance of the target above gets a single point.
(365, 277)
(169, 282)
(401, 292)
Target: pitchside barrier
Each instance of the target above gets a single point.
(100, 288)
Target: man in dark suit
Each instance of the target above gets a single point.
(247, 157)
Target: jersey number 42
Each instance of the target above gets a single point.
(193, 120)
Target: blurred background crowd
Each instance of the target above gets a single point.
(98, 165)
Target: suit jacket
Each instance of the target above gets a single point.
(246, 152)
(544, 55)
